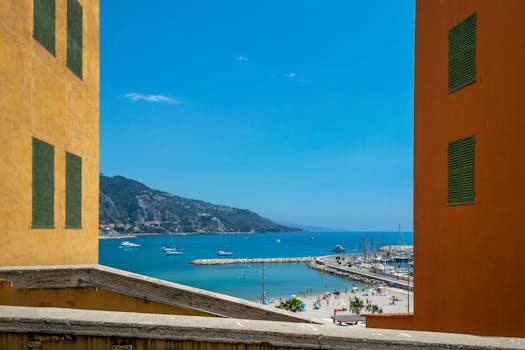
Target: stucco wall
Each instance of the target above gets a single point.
(51, 284)
(87, 329)
(40, 97)
(469, 258)
(89, 298)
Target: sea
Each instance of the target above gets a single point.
(243, 280)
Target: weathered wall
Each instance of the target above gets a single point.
(40, 97)
(56, 281)
(469, 258)
(89, 298)
(87, 329)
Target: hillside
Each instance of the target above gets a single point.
(130, 206)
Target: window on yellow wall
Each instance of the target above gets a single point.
(44, 23)
(74, 37)
(462, 54)
(43, 185)
(73, 191)
(461, 161)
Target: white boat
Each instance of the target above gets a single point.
(277, 240)
(165, 249)
(172, 252)
(128, 244)
(224, 253)
(338, 248)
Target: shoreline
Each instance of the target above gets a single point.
(390, 300)
(137, 234)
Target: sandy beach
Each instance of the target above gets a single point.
(329, 302)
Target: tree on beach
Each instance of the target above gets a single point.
(356, 305)
(374, 308)
(293, 304)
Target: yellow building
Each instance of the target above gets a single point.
(49, 135)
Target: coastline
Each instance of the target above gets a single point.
(137, 234)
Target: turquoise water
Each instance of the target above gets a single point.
(281, 280)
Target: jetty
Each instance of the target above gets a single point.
(252, 261)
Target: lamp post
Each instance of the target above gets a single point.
(263, 291)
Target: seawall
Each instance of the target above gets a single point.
(251, 261)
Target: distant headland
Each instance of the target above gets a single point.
(130, 207)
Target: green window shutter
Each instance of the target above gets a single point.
(74, 37)
(461, 155)
(44, 23)
(462, 54)
(43, 184)
(454, 167)
(73, 191)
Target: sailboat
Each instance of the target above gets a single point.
(171, 250)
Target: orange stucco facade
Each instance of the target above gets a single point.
(40, 97)
(469, 259)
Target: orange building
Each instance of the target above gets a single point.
(469, 174)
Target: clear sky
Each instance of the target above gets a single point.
(299, 110)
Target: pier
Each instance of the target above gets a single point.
(251, 261)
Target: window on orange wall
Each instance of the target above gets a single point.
(461, 161)
(462, 54)
(43, 185)
(44, 23)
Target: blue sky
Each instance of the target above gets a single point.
(299, 110)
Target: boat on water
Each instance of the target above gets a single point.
(173, 252)
(224, 253)
(338, 248)
(277, 240)
(128, 244)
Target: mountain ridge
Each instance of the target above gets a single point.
(131, 206)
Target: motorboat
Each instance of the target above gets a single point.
(173, 252)
(128, 244)
(224, 253)
(338, 248)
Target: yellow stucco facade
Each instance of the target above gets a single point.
(40, 97)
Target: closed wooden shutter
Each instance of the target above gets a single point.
(461, 162)
(73, 191)
(43, 184)
(44, 23)
(462, 54)
(74, 37)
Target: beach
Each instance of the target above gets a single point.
(331, 301)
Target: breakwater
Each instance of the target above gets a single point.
(251, 261)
